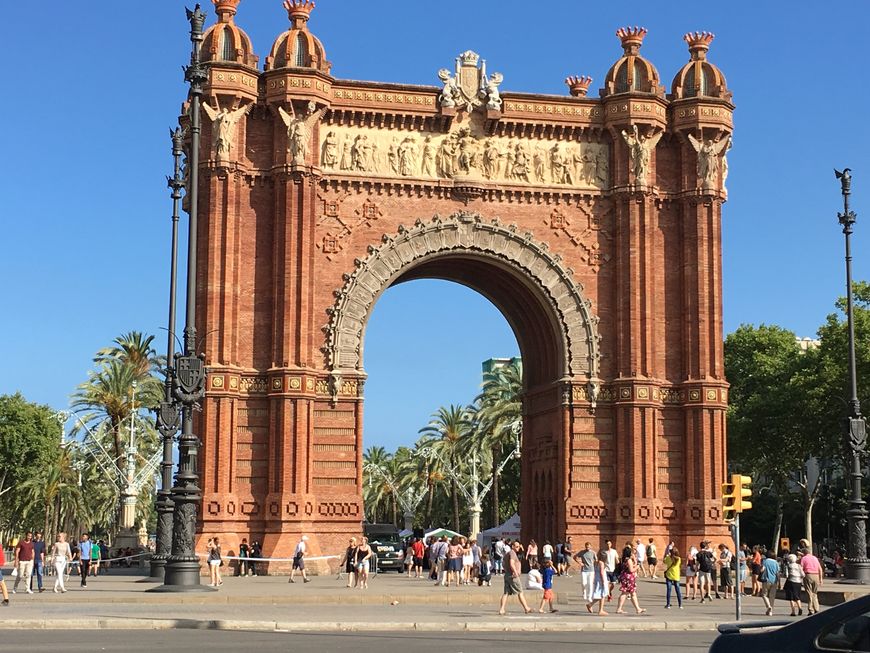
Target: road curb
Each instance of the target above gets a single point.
(529, 625)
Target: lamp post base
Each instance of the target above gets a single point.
(158, 567)
(857, 571)
(182, 576)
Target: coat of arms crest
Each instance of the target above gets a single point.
(469, 87)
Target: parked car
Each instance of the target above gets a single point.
(845, 627)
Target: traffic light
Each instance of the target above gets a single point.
(729, 502)
(742, 490)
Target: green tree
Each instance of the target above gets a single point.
(30, 436)
(764, 434)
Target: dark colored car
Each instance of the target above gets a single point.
(387, 546)
(845, 627)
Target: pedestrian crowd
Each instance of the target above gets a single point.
(33, 561)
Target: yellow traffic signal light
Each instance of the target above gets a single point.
(742, 490)
(729, 502)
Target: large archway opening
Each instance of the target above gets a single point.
(430, 345)
(542, 304)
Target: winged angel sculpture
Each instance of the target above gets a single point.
(640, 149)
(299, 131)
(708, 159)
(223, 126)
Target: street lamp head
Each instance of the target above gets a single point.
(845, 178)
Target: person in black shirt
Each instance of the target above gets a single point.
(38, 560)
(244, 554)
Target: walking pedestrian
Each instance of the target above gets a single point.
(652, 560)
(600, 584)
(512, 585)
(475, 558)
(299, 560)
(440, 554)
(38, 561)
(611, 562)
(362, 562)
(547, 551)
(672, 577)
(813, 577)
(755, 568)
(96, 556)
(214, 561)
(532, 553)
(588, 561)
(640, 550)
(24, 562)
(454, 561)
(85, 546)
(793, 580)
(628, 582)
(349, 562)
(742, 568)
(769, 578)
(467, 560)
(60, 558)
(547, 573)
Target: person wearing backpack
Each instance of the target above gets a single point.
(769, 578)
(705, 561)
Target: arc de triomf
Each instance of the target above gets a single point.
(592, 223)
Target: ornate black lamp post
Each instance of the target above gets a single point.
(182, 566)
(168, 414)
(857, 564)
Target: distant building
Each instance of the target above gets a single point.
(808, 343)
(492, 364)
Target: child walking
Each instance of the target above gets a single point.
(547, 573)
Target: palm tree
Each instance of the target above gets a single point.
(376, 463)
(444, 435)
(499, 414)
(55, 489)
(134, 349)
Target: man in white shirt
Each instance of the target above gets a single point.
(299, 559)
(610, 568)
(640, 555)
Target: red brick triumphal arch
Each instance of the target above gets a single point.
(593, 224)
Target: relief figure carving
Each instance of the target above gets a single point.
(223, 126)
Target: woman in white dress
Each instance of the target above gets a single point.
(60, 556)
(467, 561)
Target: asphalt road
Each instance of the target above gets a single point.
(218, 641)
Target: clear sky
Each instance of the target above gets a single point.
(90, 90)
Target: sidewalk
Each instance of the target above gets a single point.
(392, 603)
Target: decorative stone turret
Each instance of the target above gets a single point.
(699, 78)
(578, 86)
(224, 41)
(632, 73)
(298, 47)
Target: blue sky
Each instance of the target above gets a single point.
(91, 90)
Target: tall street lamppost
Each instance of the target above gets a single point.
(182, 567)
(857, 564)
(167, 413)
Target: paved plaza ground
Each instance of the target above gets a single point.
(393, 602)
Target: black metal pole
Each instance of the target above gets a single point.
(182, 568)
(857, 564)
(168, 414)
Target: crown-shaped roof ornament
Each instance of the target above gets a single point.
(299, 11)
(699, 43)
(578, 86)
(469, 58)
(632, 38)
(225, 9)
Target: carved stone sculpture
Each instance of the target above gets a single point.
(708, 160)
(640, 150)
(491, 159)
(450, 91)
(428, 166)
(223, 124)
(329, 156)
(493, 98)
(299, 132)
(408, 157)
